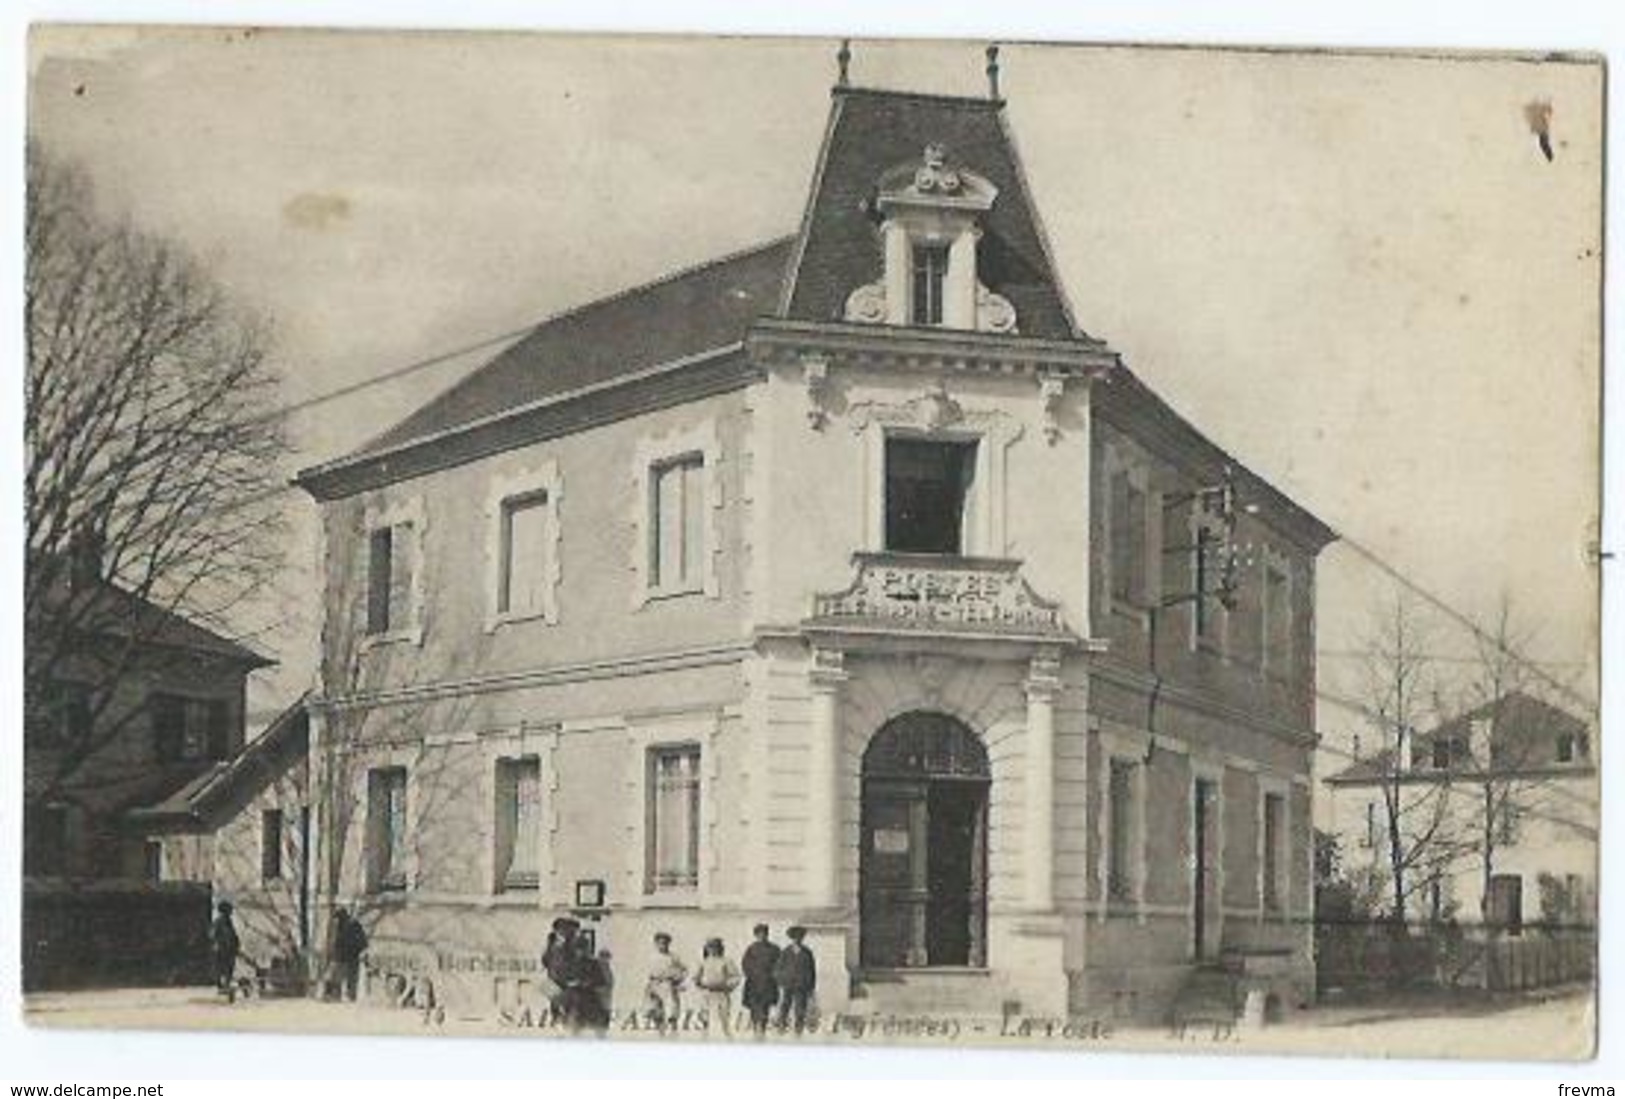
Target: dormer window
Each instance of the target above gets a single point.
(930, 272)
(931, 214)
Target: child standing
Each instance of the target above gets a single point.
(667, 975)
(717, 977)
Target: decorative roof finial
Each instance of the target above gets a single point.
(842, 60)
(993, 71)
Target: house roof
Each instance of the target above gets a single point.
(233, 781)
(1517, 722)
(870, 133)
(692, 311)
(107, 609)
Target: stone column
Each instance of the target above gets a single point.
(899, 262)
(824, 831)
(1043, 685)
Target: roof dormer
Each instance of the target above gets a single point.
(931, 213)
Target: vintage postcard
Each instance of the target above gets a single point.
(813, 541)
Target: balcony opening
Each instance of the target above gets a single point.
(928, 495)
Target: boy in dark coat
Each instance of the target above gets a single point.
(223, 943)
(797, 976)
(761, 989)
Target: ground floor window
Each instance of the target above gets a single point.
(1274, 857)
(386, 829)
(1505, 903)
(518, 823)
(673, 855)
(1120, 828)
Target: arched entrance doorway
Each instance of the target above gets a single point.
(922, 872)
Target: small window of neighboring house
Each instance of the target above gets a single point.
(1121, 810)
(386, 829)
(1274, 854)
(66, 720)
(1441, 753)
(1565, 749)
(929, 272)
(1370, 838)
(390, 577)
(674, 818)
(45, 840)
(152, 859)
(1276, 613)
(518, 823)
(168, 714)
(1507, 819)
(524, 569)
(189, 728)
(271, 845)
(1128, 541)
(929, 486)
(1506, 903)
(677, 538)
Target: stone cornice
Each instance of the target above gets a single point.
(691, 378)
(773, 341)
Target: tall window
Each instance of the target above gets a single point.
(674, 818)
(1273, 855)
(1128, 540)
(928, 494)
(929, 271)
(677, 524)
(1277, 620)
(518, 823)
(386, 829)
(1121, 810)
(526, 545)
(189, 728)
(271, 845)
(390, 577)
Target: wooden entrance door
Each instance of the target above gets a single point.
(922, 866)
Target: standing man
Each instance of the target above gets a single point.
(667, 975)
(224, 944)
(759, 961)
(797, 975)
(349, 944)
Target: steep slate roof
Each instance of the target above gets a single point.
(699, 309)
(1515, 719)
(873, 131)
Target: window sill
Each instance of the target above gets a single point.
(546, 615)
(661, 595)
(412, 635)
(672, 898)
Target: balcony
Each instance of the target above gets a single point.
(929, 593)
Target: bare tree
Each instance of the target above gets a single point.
(151, 453)
(1400, 684)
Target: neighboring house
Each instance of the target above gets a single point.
(241, 826)
(1520, 764)
(140, 702)
(842, 581)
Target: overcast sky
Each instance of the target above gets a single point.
(1359, 274)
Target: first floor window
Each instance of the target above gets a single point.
(1128, 540)
(1274, 839)
(390, 578)
(518, 823)
(189, 728)
(677, 524)
(524, 554)
(928, 494)
(1370, 839)
(1506, 823)
(270, 845)
(65, 720)
(386, 829)
(674, 818)
(1277, 620)
(1120, 807)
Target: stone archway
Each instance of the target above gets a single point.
(922, 869)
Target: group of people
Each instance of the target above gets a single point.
(777, 983)
(348, 946)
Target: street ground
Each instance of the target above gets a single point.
(1559, 1025)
